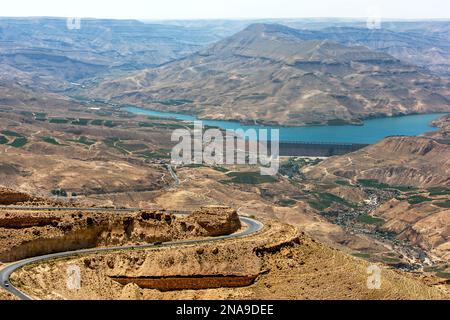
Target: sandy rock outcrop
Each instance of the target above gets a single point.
(215, 220)
(289, 266)
(8, 196)
(443, 124)
(28, 234)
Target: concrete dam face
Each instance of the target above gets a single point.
(306, 149)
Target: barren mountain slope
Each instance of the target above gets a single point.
(418, 166)
(418, 46)
(424, 43)
(271, 74)
(15, 91)
(46, 148)
(443, 133)
(413, 161)
(283, 264)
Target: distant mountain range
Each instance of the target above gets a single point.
(53, 56)
(421, 42)
(319, 71)
(426, 49)
(271, 73)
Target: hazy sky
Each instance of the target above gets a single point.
(214, 9)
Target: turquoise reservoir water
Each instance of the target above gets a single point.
(372, 131)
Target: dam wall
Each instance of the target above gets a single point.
(309, 149)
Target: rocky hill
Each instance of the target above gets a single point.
(423, 44)
(8, 196)
(20, 89)
(410, 161)
(280, 263)
(413, 174)
(33, 233)
(275, 74)
(443, 133)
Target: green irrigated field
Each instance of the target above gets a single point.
(418, 199)
(51, 140)
(324, 200)
(367, 219)
(19, 142)
(58, 120)
(3, 140)
(11, 133)
(132, 147)
(248, 178)
(157, 154)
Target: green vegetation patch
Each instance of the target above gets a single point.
(110, 124)
(441, 274)
(372, 183)
(248, 178)
(51, 140)
(318, 205)
(287, 202)
(445, 204)
(161, 118)
(10, 133)
(368, 219)
(300, 115)
(174, 102)
(157, 154)
(19, 142)
(132, 147)
(81, 122)
(338, 122)
(343, 183)
(40, 116)
(103, 113)
(439, 191)
(111, 141)
(59, 192)
(173, 126)
(362, 255)
(58, 120)
(3, 140)
(403, 188)
(291, 167)
(439, 271)
(97, 122)
(145, 124)
(390, 259)
(194, 165)
(27, 114)
(418, 199)
(432, 269)
(324, 200)
(221, 169)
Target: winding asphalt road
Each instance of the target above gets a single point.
(253, 226)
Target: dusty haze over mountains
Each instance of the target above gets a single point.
(78, 171)
(321, 71)
(269, 72)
